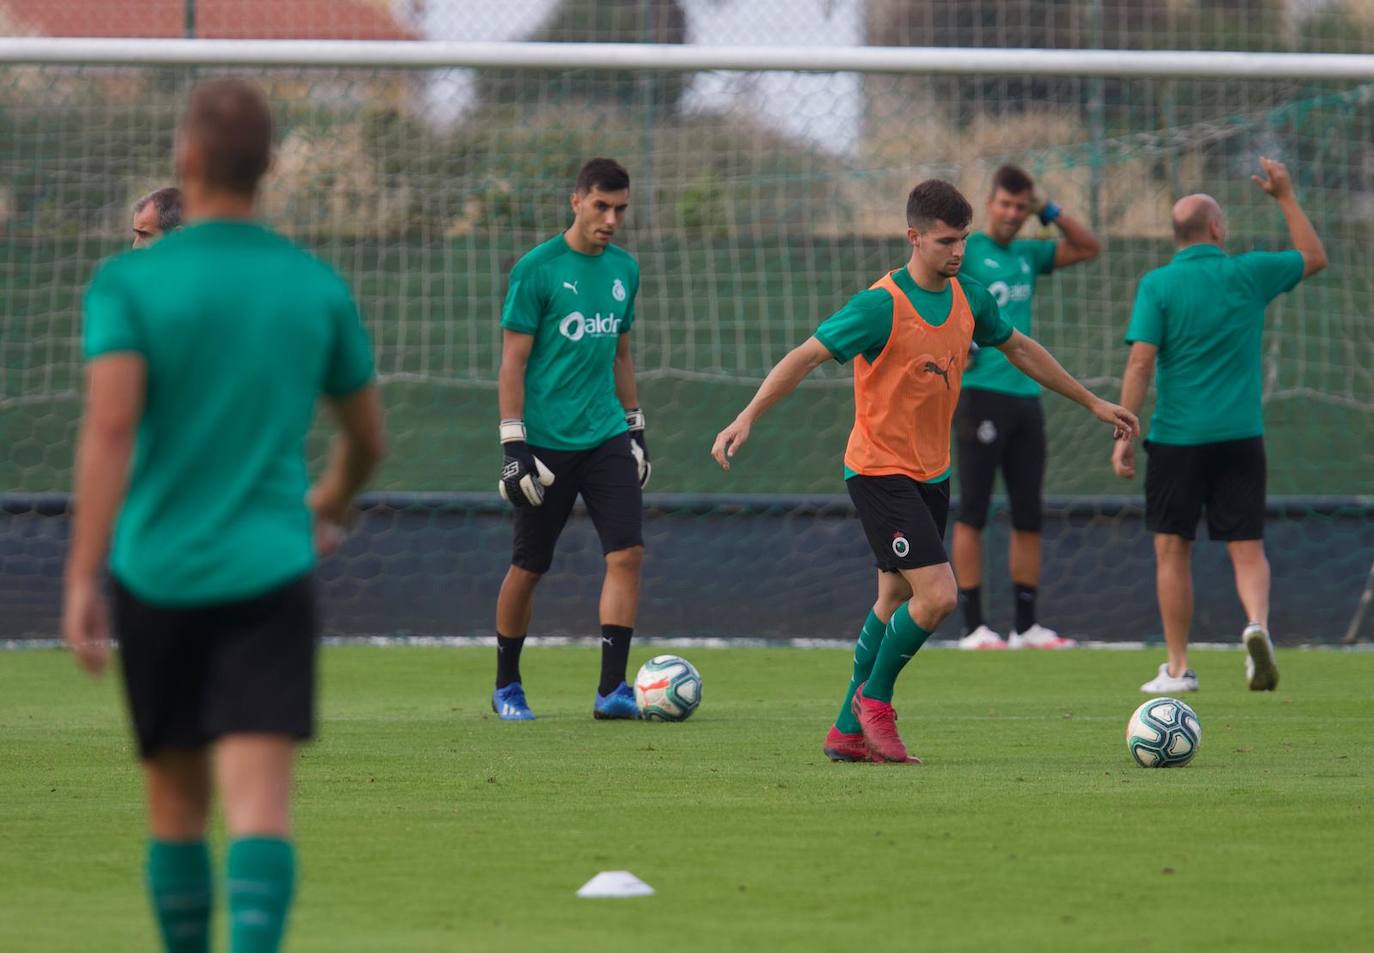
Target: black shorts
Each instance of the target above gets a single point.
(608, 479)
(1226, 478)
(904, 520)
(194, 675)
(1003, 431)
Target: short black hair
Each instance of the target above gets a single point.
(230, 120)
(604, 174)
(1013, 179)
(167, 202)
(936, 200)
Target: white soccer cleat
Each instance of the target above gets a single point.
(982, 638)
(1039, 637)
(1261, 671)
(1166, 684)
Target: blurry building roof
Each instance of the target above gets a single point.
(214, 19)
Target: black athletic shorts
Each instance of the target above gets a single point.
(194, 675)
(1000, 431)
(1226, 478)
(904, 520)
(608, 479)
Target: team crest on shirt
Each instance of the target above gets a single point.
(618, 290)
(1025, 267)
(900, 546)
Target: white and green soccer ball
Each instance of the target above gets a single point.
(1163, 733)
(667, 688)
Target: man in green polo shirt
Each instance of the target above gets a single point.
(1199, 321)
(207, 354)
(999, 424)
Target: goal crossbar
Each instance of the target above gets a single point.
(674, 57)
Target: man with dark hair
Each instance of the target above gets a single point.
(207, 355)
(909, 337)
(571, 424)
(155, 215)
(999, 423)
(1201, 318)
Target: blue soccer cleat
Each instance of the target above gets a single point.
(620, 703)
(510, 705)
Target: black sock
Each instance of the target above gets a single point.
(615, 655)
(1025, 606)
(971, 601)
(508, 658)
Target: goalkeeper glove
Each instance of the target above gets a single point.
(635, 418)
(523, 475)
(1049, 212)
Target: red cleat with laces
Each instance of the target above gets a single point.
(879, 723)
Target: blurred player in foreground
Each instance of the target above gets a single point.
(909, 336)
(571, 424)
(999, 424)
(1199, 321)
(207, 355)
(156, 214)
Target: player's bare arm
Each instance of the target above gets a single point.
(1031, 358)
(1278, 184)
(627, 393)
(357, 450)
(1135, 384)
(115, 389)
(515, 356)
(781, 381)
(523, 477)
(1076, 244)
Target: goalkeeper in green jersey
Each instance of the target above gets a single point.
(207, 355)
(571, 425)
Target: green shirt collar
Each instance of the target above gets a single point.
(1202, 250)
(902, 276)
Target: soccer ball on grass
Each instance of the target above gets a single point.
(667, 688)
(1163, 733)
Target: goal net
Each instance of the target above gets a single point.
(762, 199)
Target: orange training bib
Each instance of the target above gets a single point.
(904, 399)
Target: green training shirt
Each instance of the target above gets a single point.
(241, 331)
(1204, 310)
(864, 324)
(576, 307)
(1009, 273)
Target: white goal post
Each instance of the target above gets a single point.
(1159, 64)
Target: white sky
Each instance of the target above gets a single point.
(821, 108)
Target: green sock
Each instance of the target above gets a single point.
(262, 874)
(865, 651)
(904, 639)
(179, 883)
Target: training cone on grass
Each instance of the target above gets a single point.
(615, 883)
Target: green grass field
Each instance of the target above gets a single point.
(427, 825)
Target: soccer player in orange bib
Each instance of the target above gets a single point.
(909, 337)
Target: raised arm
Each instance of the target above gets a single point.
(1031, 358)
(1077, 243)
(1277, 183)
(781, 381)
